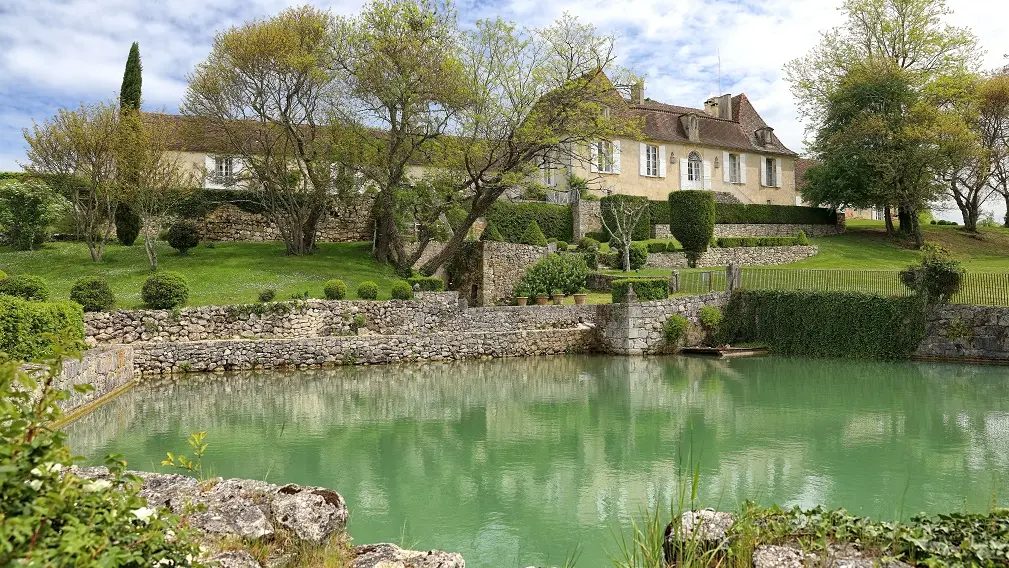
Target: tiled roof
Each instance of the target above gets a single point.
(662, 122)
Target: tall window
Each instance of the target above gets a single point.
(695, 167)
(604, 156)
(652, 161)
(733, 168)
(769, 167)
(224, 166)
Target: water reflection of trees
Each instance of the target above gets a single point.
(556, 445)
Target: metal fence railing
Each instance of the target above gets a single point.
(702, 282)
(978, 288)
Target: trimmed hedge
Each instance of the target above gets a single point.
(646, 289)
(93, 294)
(490, 233)
(565, 272)
(335, 289)
(23, 324)
(25, 286)
(533, 235)
(642, 230)
(203, 201)
(825, 324)
(638, 257)
(401, 291)
(762, 214)
(165, 290)
(692, 220)
(511, 219)
(427, 283)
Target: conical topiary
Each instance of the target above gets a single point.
(491, 233)
(533, 235)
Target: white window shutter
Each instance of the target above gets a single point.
(763, 171)
(643, 159)
(742, 168)
(211, 166)
(662, 161)
(725, 168)
(777, 172)
(707, 174)
(616, 156)
(684, 182)
(593, 156)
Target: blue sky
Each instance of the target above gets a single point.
(57, 53)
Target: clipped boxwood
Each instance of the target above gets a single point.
(533, 235)
(692, 221)
(183, 236)
(512, 219)
(93, 294)
(335, 289)
(401, 291)
(588, 243)
(165, 290)
(490, 233)
(26, 286)
(762, 214)
(642, 229)
(427, 283)
(638, 257)
(646, 289)
(825, 324)
(367, 290)
(24, 325)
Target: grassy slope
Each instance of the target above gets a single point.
(228, 273)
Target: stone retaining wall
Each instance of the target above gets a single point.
(636, 329)
(350, 221)
(306, 353)
(743, 256)
(311, 318)
(105, 369)
(765, 230)
(966, 332)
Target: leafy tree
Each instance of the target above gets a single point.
(75, 152)
(128, 222)
(620, 217)
(27, 208)
(268, 90)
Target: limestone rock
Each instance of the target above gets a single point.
(234, 559)
(391, 556)
(837, 556)
(702, 530)
(773, 556)
(311, 513)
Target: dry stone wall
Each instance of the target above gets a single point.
(587, 218)
(966, 332)
(349, 222)
(489, 270)
(743, 256)
(105, 369)
(764, 230)
(636, 329)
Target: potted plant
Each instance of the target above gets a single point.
(558, 296)
(580, 296)
(542, 297)
(521, 295)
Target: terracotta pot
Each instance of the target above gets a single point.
(521, 300)
(558, 299)
(579, 299)
(542, 300)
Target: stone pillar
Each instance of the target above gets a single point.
(674, 282)
(619, 329)
(733, 277)
(841, 221)
(585, 218)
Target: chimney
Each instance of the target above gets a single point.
(711, 107)
(725, 106)
(638, 93)
(691, 126)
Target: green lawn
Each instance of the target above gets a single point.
(227, 273)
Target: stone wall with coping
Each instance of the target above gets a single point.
(743, 256)
(311, 318)
(105, 369)
(636, 329)
(489, 270)
(966, 332)
(306, 353)
(350, 221)
(764, 230)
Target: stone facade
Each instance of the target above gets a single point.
(742, 256)
(312, 318)
(586, 217)
(348, 222)
(636, 329)
(105, 369)
(765, 230)
(966, 332)
(306, 353)
(491, 269)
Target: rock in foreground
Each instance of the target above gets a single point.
(392, 556)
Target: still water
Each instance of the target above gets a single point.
(521, 462)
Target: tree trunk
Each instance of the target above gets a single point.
(888, 217)
(904, 218)
(386, 234)
(310, 229)
(916, 230)
(626, 251)
(451, 247)
(1006, 196)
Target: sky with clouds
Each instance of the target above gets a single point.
(57, 53)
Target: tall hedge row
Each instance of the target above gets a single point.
(740, 213)
(825, 324)
(692, 220)
(607, 205)
(511, 220)
(25, 325)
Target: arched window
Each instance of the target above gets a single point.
(694, 167)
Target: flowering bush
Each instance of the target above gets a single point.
(52, 517)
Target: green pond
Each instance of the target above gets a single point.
(521, 462)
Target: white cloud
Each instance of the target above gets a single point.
(61, 54)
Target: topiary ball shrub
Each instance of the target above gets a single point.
(267, 295)
(692, 221)
(165, 291)
(93, 294)
(183, 236)
(588, 243)
(427, 283)
(533, 235)
(25, 286)
(675, 328)
(562, 246)
(127, 225)
(367, 290)
(401, 291)
(646, 289)
(335, 289)
(638, 257)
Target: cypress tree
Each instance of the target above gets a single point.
(127, 221)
